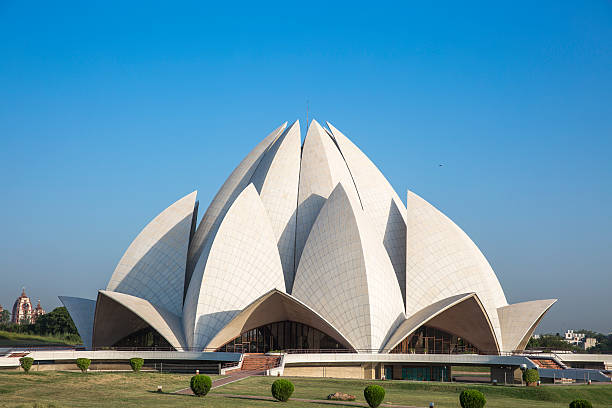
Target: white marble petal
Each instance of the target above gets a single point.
(153, 266)
(519, 320)
(345, 274)
(235, 183)
(322, 169)
(82, 312)
(380, 202)
(243, 263)
(276, 179)
(442, 261)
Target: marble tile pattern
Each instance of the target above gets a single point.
(231, 188)
(243, 263)
(346, 275)
(276, 181)
(316, 220)
(153, 267)
(322, 169)
(519, 320)
(82, 312)
(380, 202)
(442, 261)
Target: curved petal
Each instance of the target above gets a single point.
(518, 322)
(276, 180)
(275, 306)
(233, 186)
(118, 315)
(442, 261)
(153, 267)
(462, 315)
(346, 276)
(322, 169)
(82, 312)
(380, 202)
(242, 264)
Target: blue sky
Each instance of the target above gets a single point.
(110, 112)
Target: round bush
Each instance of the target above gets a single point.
(26, 363)
(580, 403)
(374, 395)
(136, 363)
(200, 384)
(282, 389)
(531, 376)
(472, 399)
(83, 363)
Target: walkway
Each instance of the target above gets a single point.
(231, 378)
(241, 375)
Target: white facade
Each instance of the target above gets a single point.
(316, 229)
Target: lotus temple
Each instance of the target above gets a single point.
(307, 251)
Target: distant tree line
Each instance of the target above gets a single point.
(57, 323)
(555, 341)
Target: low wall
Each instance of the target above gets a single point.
(327, 371)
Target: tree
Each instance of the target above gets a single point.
(5, 317)
(56, 322)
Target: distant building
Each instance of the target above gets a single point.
(589, 342)
(579, 339)
(574, 338)
(23, 312)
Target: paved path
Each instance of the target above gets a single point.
(241, 375)
(233, 377)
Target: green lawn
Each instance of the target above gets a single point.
(70, 389)
(8, 339)
(442, 394)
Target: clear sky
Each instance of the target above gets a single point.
(110, 112)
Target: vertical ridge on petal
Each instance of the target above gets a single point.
(322, 169)
(241, 265)
(276, 180)
(346, 276)
(380, 202)
(235, 183)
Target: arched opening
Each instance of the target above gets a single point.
(431, 340)
(277, 321)
(146, 337)
(122, 320)
(282, 335)
(458, 324)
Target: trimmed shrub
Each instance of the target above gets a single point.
(374, 395)
(136, 363)
(26, 363)
(472, 399)
(580, 403)
(200, 384)
(531, 376)
(83, 363)
(282, 389)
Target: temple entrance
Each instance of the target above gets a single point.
(283, 335)
(430, 340)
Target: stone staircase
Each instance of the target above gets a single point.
(547, 363)
(259, 362)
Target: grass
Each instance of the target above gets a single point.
(443, 394)
(8, 339)
(69, 389)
